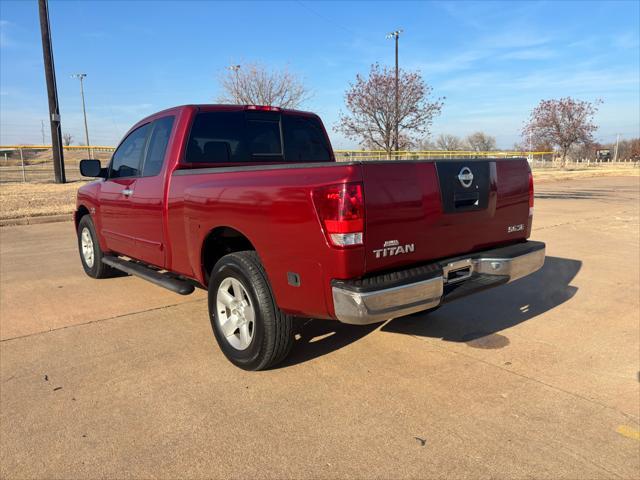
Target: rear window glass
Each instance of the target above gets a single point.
(264, 137)
(304, 140)
(217, 137)
(236, 137)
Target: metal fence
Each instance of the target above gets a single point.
(536, 159)
(353, 155)
(33, 163)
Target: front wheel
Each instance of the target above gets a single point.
(90, 251)
(250, 329)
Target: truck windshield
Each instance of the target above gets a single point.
(237, 137)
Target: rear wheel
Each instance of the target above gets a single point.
(250, 329)
(90, 252)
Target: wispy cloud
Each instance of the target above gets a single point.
(529, 54)
(577, 81)
(4, 38)
(128, 109)
(514, 36)
(512, 43)
(450, 64)
(626, 40)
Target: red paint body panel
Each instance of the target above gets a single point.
(165, 222)
(274, 210)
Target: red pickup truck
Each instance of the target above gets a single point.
(249, 203)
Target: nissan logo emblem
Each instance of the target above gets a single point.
(466, 177)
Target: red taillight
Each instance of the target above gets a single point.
(530, 193)
(263, 108)
(341, 211)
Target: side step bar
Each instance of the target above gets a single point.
(174, 284)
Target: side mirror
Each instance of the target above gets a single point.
(92, 168)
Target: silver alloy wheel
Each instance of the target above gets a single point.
(235, 314)
(86, 241)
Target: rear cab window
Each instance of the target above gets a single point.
(252, 137)
(305, 140)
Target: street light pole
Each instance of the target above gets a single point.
(235, 69)
(396, 35)
(80, 76)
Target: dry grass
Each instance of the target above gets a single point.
(545, 174)
(18, 200)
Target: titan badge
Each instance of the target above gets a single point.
(393, 247)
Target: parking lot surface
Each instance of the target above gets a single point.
(540, 378)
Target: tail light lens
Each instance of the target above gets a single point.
(341, 212)
(530, 193)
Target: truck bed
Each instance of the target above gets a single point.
(416, 212)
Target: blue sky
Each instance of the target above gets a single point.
(493, 61)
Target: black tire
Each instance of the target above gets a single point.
(272, 334)
(98, 269)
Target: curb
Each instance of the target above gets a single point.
(10, 222)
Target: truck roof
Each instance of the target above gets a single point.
(209, 107)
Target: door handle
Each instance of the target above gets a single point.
(127, 192)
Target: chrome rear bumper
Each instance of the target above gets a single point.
(379, 300)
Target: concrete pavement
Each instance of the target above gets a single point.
(118, 378)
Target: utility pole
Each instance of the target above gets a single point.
(396, 36)
(615, 155)
(80, 76)
(52, 93)
(42, 130)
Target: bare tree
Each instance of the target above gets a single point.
(628, 149)
(584, 151)
(533, 147)
(481, 142)
(254, 84)
(67, 139)
(426, 144)
(562, 123)
(450, 143)
(371, 111)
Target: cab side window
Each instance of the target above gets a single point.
(157, 146)
(127, 159)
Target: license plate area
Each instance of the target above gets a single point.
(455, 272)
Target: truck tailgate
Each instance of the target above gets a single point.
(424, 210)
